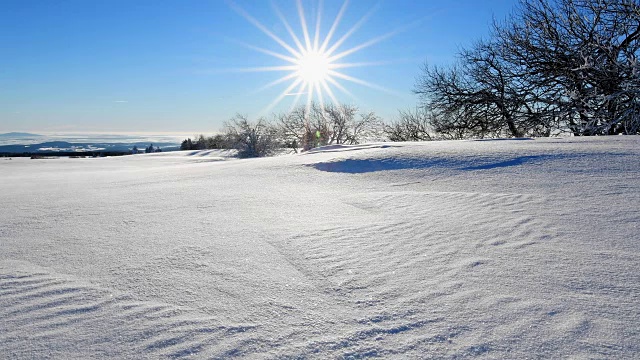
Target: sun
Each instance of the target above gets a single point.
(313, 64)
(313, 67)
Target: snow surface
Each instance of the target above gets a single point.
(468, 249)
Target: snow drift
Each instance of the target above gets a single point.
(487, 249)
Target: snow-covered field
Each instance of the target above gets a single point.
(484, 249)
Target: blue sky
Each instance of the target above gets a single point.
(176, 66)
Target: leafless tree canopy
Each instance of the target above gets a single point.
(251, 139)
(316, 125)
(304, 127)
(411, 126)
(555, 66)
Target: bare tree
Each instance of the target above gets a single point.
(585, 53)
(411, 126)
(478, 87)
(252, 139)
(294, 127)
(349, 127)
(315, 125)
(566, 65)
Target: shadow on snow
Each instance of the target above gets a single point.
(360, 166)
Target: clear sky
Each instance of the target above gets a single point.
(182, 65)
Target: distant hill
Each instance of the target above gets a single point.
(64, 146)
(17, 135)
(28, 143)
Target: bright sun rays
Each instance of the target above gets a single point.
(313, 67)
(312, 62)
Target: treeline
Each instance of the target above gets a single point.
(147, 150)
(553, 67)
(201, 142)
(303, 128)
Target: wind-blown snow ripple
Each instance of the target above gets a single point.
(483, 249)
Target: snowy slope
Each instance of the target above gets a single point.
(480, 249)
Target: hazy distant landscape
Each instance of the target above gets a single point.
(17, 143)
